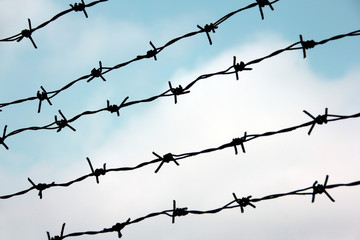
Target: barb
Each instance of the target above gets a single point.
(239, 141)
(170, 157)
(176, 212)
(97, 172)
(118, 227)
(42, 96)
(243, 202)
(63, 123)
(79, 7)
(207, 29)
(177, 91)
(319, 189)
(151, 53)
(115, 108)
(306, 45)
(180, 90)
(320, 119)
(28, 32)
(40, 187)
(95, 73)
(165, 159)
(57, 237)
(238, 67)
(263, 3)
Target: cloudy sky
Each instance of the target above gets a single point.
(270, 97)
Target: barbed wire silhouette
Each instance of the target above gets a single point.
(236, 67)
(242, 203)
(98, 72)
(27, 33)
(169, 157)
(313, 190)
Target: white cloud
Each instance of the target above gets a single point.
(270, 97)
(24, 9)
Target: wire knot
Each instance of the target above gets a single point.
(40, 186)
(95, 73)
(115, 108)
(210, 27)
(207, 29)
(118, 227)
(177, 91)
(320, 119)
(78, 7)
(152, 53)
(238, 67)
(306, 45)
(263, 3)
(2, 139)
(27, 34)
(239, 141)
(319, 189)
(63, 123)
(98, 172)
(178, 212)
(57, 237)
(165, 159)
(42, 96)
(243, 202)
(309, 44)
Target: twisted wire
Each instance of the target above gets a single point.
(150, 54)
(172, 92)
(241, 203)
(170, 157)
(26, 33)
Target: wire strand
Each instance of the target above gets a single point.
(149, 54)
(172, 92)
(241, 203)
(169, 157)
(26, 33)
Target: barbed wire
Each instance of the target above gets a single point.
(236, 67)
(98, 72)
(242, 203)
(169, 157)
(313, 190)
(27, 33)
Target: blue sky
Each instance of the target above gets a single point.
(270, 97)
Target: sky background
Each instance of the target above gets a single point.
(270, 97)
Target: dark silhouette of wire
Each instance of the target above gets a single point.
(26, 33)
(98, 72)
(177, 91)
(240, 203)
(169, 157)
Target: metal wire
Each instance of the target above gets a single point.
(169, 157)
(96, 73)
(58, 125)
(27, 33)
(241, 203)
